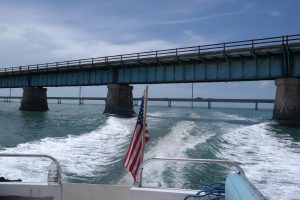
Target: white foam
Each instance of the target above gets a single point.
(155, 114)
(195, 115)
(84, 155)
(174, 144)
(232, 116)
(270, 162)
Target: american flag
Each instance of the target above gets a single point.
(134, 155)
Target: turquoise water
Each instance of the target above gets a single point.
(91, 146)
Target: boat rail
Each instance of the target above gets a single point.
(57, 165)
(190, 160)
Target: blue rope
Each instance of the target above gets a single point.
(217, 190)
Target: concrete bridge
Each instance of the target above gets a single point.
(169, 101)
(276, 58)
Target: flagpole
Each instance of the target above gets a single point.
(144, 120)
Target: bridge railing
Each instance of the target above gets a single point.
(136, 57)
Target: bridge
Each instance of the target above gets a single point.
(274, 58)
(209, 101)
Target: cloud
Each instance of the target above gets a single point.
(40, 43)
(275, 13)
(32, 45)
(189, 38)
(265, 84)
(206, 17)
(177, 8)
(83, 49)
(3, 29)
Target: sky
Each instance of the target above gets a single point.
(36, 31)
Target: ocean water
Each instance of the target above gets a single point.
(91, 146)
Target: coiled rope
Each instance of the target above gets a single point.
(214, 191)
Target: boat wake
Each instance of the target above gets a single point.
(270, 162)
(182, 136)
(86, 155)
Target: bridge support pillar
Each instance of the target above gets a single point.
(209, 104)
(34, 99)
(287, 101)
(119, 100)
(169, 104)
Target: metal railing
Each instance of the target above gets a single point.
(176, 52)
(58, 168)
(190, 160)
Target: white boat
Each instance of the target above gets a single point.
(236, 187)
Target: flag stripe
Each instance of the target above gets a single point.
(146, 133)
(136, 158)
(135, 170)
(133, 143)
(135, 151)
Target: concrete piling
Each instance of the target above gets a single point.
(119, 100)
(34, 99)
(287, 101)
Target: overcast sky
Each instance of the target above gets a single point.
(39, 31)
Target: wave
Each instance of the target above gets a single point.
(195, 115)
(180, 138)
(270, 162)
(86, 155)
(155, 114)
(232, 116)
